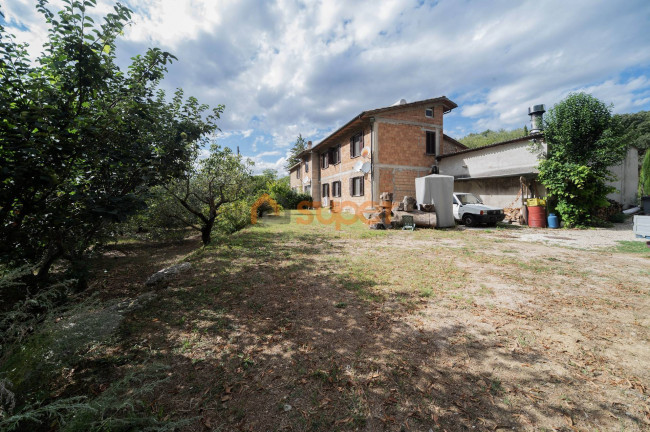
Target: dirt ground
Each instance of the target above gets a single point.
(302, 327)
(594, 238)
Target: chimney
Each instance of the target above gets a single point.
(536, 113)
(308, 145)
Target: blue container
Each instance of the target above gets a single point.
(553, 221)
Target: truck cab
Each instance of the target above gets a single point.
(471, 211)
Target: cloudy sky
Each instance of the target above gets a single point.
(284, 67)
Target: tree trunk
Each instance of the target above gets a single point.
(206, 231)
(43, 271)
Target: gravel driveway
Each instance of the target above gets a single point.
(593, 238)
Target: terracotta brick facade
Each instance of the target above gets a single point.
(402, 148)
(404, 144)
(397, 139)
(344, 170)
(450, 145)
(417, 114)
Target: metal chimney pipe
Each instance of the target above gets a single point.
(536, 113)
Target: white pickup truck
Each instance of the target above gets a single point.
(471, 211)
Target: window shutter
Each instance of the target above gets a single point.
(338, 151)
(361, 140)
(351, 187)
(361, 185)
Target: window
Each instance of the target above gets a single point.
(306, 167)
(356, 144)
(326, 190)
(298, 173)
(431, 143)
(336, 189)
(324, 160)
(335, 155)
(356, 186)
(428, 112)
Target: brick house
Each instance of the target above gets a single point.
(381, 150)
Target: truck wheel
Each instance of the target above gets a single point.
(469, 220)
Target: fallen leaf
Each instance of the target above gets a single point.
(226, 398)
(343, 421)
(569, 420)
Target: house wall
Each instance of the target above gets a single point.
(298, 184)
(514, 158)
(400, 155)
(450, 147)
(496, 191)
(294, 182)
(627, 178)
(493, 173)
(344, 171)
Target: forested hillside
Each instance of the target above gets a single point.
(636, 128)
(488, 137)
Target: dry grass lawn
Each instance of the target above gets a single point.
(305, 328)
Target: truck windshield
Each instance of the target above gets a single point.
(468, 199)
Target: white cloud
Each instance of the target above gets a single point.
(261, 165)
(268, 153)
(286, 67)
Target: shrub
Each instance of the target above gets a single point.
(233, 217)
(122, 407)
(282, 193)
(644, 178)
(617, 218)
(583, 142)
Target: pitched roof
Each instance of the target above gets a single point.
(364, 116)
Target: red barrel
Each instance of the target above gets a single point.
(537, 217)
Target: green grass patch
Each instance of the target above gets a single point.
(635, 247)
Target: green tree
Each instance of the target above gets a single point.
(220, 179)
(81, 140)
(298, 147)
(281, 192)
(259, 184)
(636, 127)
(584, 140)
(644, 178)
